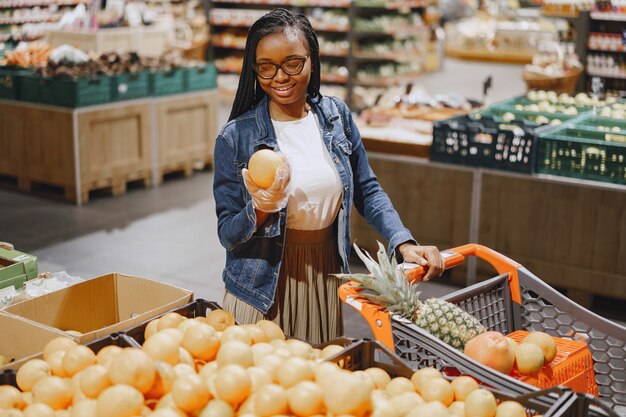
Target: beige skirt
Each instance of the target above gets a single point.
(306, 305)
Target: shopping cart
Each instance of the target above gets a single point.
(512, 302)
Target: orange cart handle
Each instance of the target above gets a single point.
(379, 320)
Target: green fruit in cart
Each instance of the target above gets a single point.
(463, 386)
(528, 358)
(545, 342)
(387, 287)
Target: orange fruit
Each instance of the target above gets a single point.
(262, 167)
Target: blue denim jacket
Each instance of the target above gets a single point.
(253, 257)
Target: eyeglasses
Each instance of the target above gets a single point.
(291, 66)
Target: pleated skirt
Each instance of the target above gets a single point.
(306, 305)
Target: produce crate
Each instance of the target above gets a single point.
(65, 92)
(7, 377)
(9, 82)
(367, 353)
(201, 78)
(200, 308)
(484, 142)
(580, 150)
(130, 86)
(514, 300)
(15, 267)
(163, 83)
(197, 308)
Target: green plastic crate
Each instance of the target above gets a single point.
(201, 78)
(578, 152)
(16, 267)
(86, 91)
(130, 86)
(596, 123)
(163, 83)
(9, 82)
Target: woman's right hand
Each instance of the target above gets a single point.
(273, 198)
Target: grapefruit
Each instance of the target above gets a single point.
(262, 167)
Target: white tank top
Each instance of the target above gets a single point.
(315, 188)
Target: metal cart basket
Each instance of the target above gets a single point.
(514, 300)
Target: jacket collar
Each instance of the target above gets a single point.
(327, 116)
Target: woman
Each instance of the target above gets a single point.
(283, 242)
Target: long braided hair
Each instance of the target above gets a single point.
(249, 92)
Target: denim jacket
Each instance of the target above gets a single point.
(253, 257)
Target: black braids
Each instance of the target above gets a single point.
(249, 91)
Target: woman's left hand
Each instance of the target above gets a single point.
(425, 256)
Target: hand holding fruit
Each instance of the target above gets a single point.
(267, 180)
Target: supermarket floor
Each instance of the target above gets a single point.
(169, 233)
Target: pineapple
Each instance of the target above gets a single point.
(387, 286)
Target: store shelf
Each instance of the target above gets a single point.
(380, 81)
(512, 57)
(4, 37)
(394, 33)
(228, 45)
(241, 24)
(394, 6)
(334, 54)
(330, 28)
(621, 76)
(22, 21)
(370, 56)
(300, 3)
(334, 25)
(619, 17)
(333, 79)
(619, 50)
(19, 4)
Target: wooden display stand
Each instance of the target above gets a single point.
(106, 146)
(196, 116)
(565, 231)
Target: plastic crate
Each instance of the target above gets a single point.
(580, 150)
(197, 308)
(484, 142)
(9, 82)
(514, 300)
(201, 78)
(367, 353)
(572, 366)
(64, 92)
(130, 86)
(163, 83)
(7, 377)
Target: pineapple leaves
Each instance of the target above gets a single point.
(385, 285)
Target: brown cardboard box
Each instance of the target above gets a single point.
(103, 305)
(22, 339)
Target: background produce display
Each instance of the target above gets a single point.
(509, 135)
(66, 76)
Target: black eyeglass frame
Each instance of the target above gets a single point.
(277, 66)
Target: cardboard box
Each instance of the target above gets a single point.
(103, 305)
(15, 266)
(22, 339)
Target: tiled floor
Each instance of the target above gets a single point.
(169, 233)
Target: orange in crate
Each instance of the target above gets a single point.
(572, 367)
